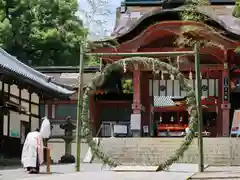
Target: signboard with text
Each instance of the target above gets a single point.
(235, 130)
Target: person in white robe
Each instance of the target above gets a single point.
(32, 152)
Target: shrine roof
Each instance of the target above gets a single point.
(31, 76)
(68, 75)
(134, 16)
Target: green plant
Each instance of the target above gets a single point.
(236, 13)
(148, 63)
(127, 86)
(236, 10)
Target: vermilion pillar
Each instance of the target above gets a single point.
(225, 106)
(136, 106)
(136, 126)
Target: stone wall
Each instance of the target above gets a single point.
(151, 151)
(57, 147)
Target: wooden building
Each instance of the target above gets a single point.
(22, 88)
(57, 110)
(154, 26)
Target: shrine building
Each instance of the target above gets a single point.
(155, 26)
(21, 91)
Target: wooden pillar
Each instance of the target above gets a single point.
(92, 114)
(136, 126)
(136, 92)
(145, 101)
(225, 103)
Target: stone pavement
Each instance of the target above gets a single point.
(219, 172)
(110, 175)
(19, 173)
(95, 171)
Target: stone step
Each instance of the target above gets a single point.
(155, 150)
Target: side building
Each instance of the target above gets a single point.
(21, 90)
(58, 109)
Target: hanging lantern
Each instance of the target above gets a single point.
(181, 119)
(162, 76)
(178, 61)
(190, 75)
(153, 67)
(160, 119)
(124, 67)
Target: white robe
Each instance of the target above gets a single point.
(32, 145)
(45, 130)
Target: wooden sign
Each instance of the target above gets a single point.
(235, 130)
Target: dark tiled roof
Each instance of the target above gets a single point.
(71, 79)
(222, 14)
(66, 69)
(164, 101)
(31, 76)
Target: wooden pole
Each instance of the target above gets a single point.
(79, 108)
(48, 160)
(198, 91)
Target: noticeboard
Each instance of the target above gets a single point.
(235, 129)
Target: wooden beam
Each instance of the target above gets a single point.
(190, 67)
(216, 53)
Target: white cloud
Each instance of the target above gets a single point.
(99, 16)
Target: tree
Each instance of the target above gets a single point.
(41, 32)
(127, 86)
(236, 13)
(236, 10)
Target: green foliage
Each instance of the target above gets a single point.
(92, 61)
(190, 34)
(236, 10)
(127, 86)
(237, 50)
(236, 13)
(46, 32)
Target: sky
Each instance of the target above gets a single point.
(99, 16)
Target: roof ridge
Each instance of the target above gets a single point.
(32, 76)
(39, 74)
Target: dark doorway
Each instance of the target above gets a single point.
(24, 131)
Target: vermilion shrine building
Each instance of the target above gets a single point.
(155, 29)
